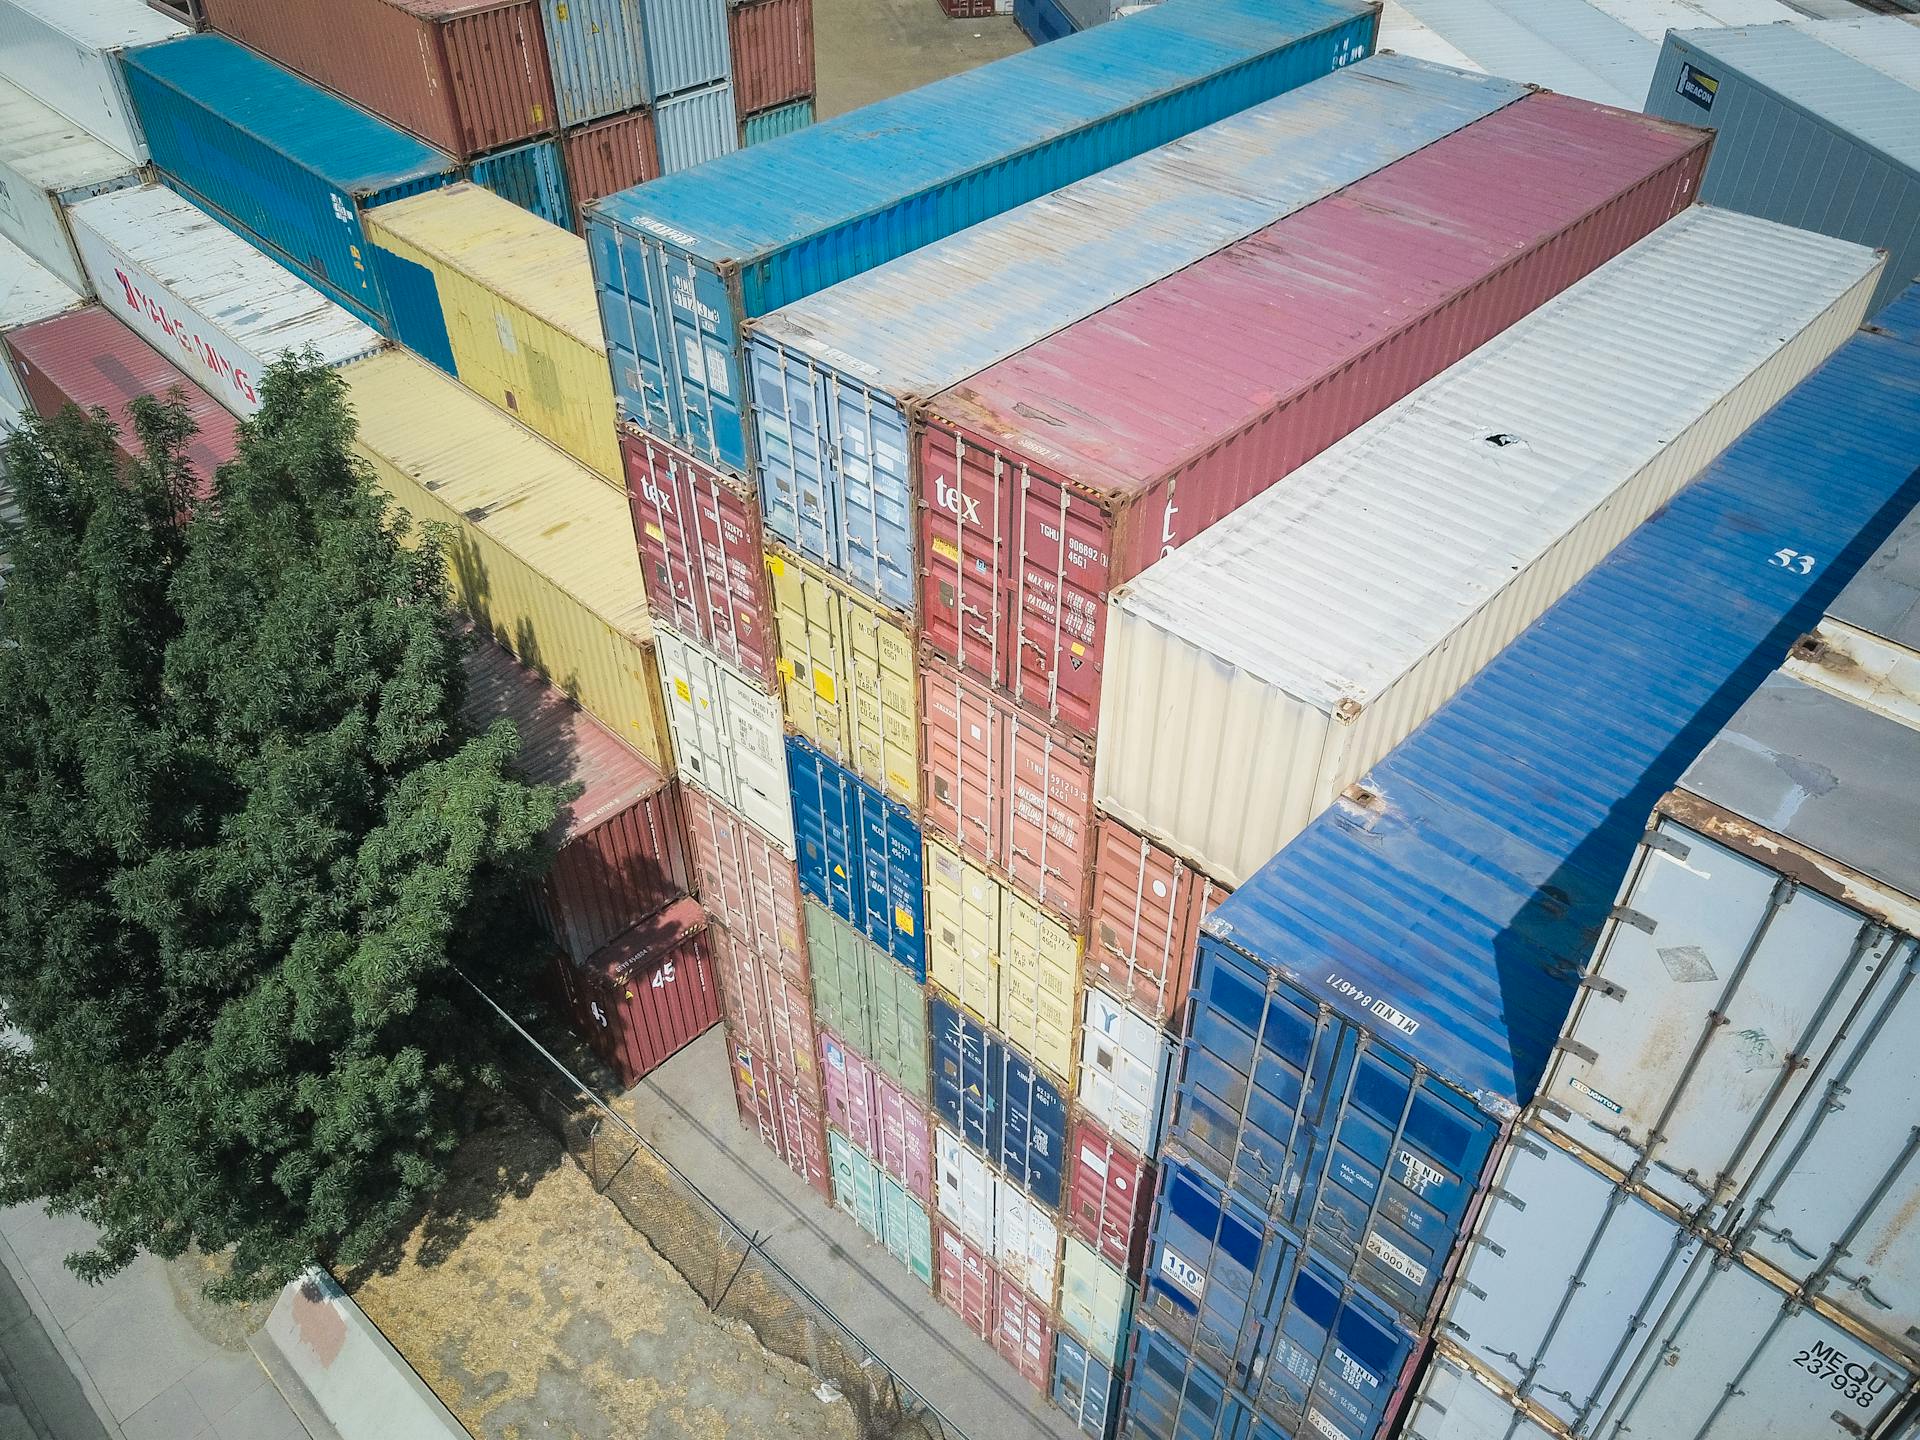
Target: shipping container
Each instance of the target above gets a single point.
(964, 931)
(750, 886)
(847, 1079)
(1096, 1303)
(466, 75)
(684, 264)
(860, 991)
(1084, 1389)
(908, 1229)
(1010, 788)
(727, 735)
(1568, 46)
(877, 1115)
(696, 127)
(962, 1056)
(699, 533)
(881, 1208)
(859, 854)
(1043, 20)
(1109, 1194)
(1148, 905)
(1370, 1011)
(597, 49)
(966, 1190)
(786, 1120)
(1023, 1332)
(503, 302)
(67, 54)
(532, 176)
(1456, 1403)
(1805, 134)
(1653, 18)
(686, 44)
(1124, 1062)
(1039, 984)
(29, 294)
(769, 1009)
(609, 156)
(772, 124)
(1026, 1245)
(643, 997)
(1031, 1117)
(771, 42)
(47, 162)
(967, 1284)
(1496, 486)
(621, 844)
(542, 553)
(205, 298)
(1876, 40)
(289, 166)
(838, 477)
(1082, 475)
(846, 675)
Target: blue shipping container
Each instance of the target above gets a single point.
(1445, 912)
(684, 261)
(961, 1051)
(598, 57)
(859, 854)
(1033, 1129)
(995, 1099)
(282, 162)
(772, 124)
(1085, 1389)
(1042, 20)
(532, 176)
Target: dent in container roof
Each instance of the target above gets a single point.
(1468, 892)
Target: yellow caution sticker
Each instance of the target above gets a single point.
(775, 565)
(903, 919)
(655, 532)
(823, 685)
(682, 689)
(947, 549)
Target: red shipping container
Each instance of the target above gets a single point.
(467, 75)
(1148, 905)
(88, 358)
(772, 44)
(609, 156)
(650, 993)
(1013, 790)
(700, 553)
(787, 1122)
(968, 9)
(848, 1081)
(1109, 1195)
(747, 881)
(1078, 466)
(623, 850)
(866, 1106)
(768, 1008)
(1023, 1334)
(968, 1281)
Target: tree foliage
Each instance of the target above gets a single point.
(245, 839)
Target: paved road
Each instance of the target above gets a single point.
(39, 1397)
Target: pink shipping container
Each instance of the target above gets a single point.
(1147, 908)
(623, 851)
(700, 553)
(747, 881)
(1109, 1195)
(650, 993)
(877, 1115)
(466, 75)
(769, 1008)
(772, 43)
(1023, 1334)
(787, 1122)
(1083, 469)
(968, 1282)
(1013, 790)
(609, 156)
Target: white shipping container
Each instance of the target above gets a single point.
(728, 736)
(203, 297)
(1888, 43)
(29, 292)
(46, 164)
(1262, 668)
(965, 1190)
(1124, 1062)
(1456, 1402)
(1026, 1245)
(1095, 1302)
(1653, 18)
(67, 52)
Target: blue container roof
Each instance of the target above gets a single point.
(353, 150)
(1468, 890)
(755, 201)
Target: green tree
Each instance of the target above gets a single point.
(245, 839)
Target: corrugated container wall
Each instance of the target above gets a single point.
(772, 45)
(284, 162)
(873, 1002)
(1117, 467)
(29, 292)
(881, 1208)
(1147, 909)
(781, 221)
(1806, 135)
(47, 163)
(727, 735)
(876, 1114)
(532, 176)
(1096, 1302)
(648, 994)
(609, 156)
(772, 124)
(542, 555)
(1039, 20)
(1084, 1389)
(686, 44)
(204, 297)
(750, 886)
(838, 375)
(769, 1008)
(598, 52)
(787, 1122)
(859, 854)
(696, 127)
(505, 303)
(1109, 1195)
(466, 75)
(1485, 483)
(968, 1284)
(67, 53)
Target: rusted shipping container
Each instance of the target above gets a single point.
(609, 156)
(623, 850)
(748, 884)
(772, 44)
(699, 534)
(1013, 790)
(467, 75)
(876, 1114)
(768, 1008)
(969, 1285)
(1023, 1334)
(1147, 908)
(642, 998)
(786, 1121)
(1079, 471)
(1109, 1195)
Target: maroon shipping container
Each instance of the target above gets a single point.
(968, 1282)
(1082, 464)
(787, 1123)
(968, 9)
(609, 156)
(769, 1008)
(467, 75)
(647, 995)
(623, 851)
(772, 53)
(88, 358)
(1147, 908)
(1013, 790)
(1109, 1195)
(747, 881)
(1023, 1334)
(876, 1115)
(700, 553)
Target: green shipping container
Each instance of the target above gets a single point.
(781, 120)
(881, 1207)
(865, 996)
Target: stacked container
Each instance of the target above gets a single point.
(771, 42)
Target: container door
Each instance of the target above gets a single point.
(1038, 983)
(599, 68)
(1331, 1361)
(966, 497)
(1147, 908)
(862, 1124)
(839, 976)
(811, 681)
(1174, 1395)
(1454, 1405)
(1023, 1334)
(758, 754)
(1082, 1387)
(1123, 1066)
(1026, 1245)
(1213, 1267)
(899, 1022)
(866, 1191)
(631, 271)
(1033, 1133)
(1048, 836)
(905, 1151)
(963, 944)
(1059, 581)
(966, 1191)
(965, 791)
(826, 832)
(896, 882)
(1109, 1196)
(871, 475)
(792, 452)
(842, 1156)
(661, 488)
(967, 1283)
(906, 1228)
(883, 708)
(695, 704)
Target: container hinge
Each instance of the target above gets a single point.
(1499, 1252)
(1627, 915)
(1601, 985)
(1554, 1108)
(1656, 839)
(1847, 1423)
(1509, 1197)
(1539, 1152)
(1577, 1050)
(1475, 1291)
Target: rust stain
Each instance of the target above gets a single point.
(319, 1325)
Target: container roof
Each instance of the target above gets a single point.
(1886, 42)
(28, 290)
(103, 24)
(1568, 46)
(49, 150)
(1884, 598)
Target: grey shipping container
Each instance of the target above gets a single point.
(693, 129)
(1808, 135)
(686, 44)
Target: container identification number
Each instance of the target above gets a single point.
(1859, 1383)
(1372, 1003)
(1798, 561)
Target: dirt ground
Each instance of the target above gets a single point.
(534, 1310)
(866, 50)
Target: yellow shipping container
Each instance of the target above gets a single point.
(847, 675)
(543, 553)
(516, 296)
(963, 930)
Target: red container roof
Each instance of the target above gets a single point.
(652, 938)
